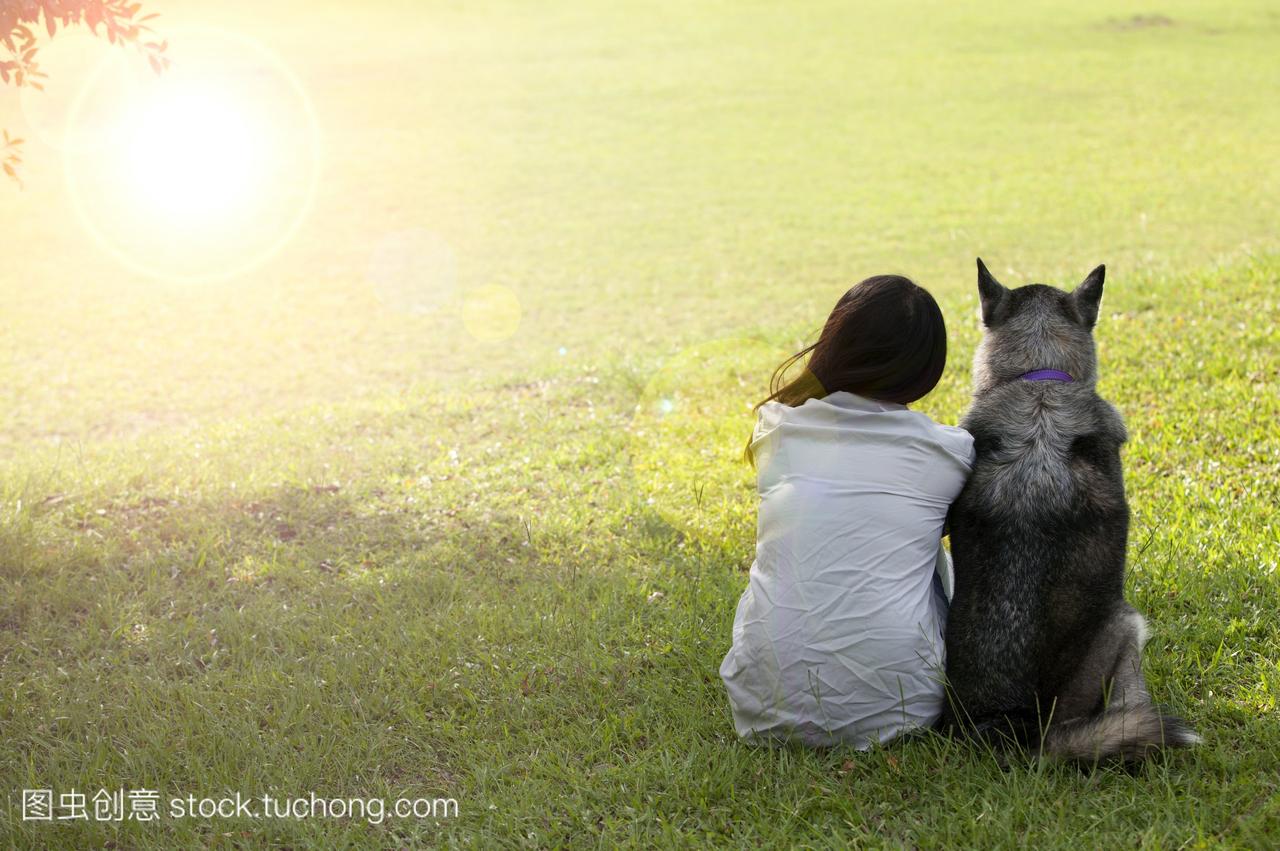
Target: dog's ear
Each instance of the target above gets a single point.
(1088, 296)
(991, 292)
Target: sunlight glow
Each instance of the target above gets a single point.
(191, 154)
(201, 173)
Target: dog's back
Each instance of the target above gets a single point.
(1039, 638)
(1038, 538)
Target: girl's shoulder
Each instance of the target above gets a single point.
(867, 420)
(954, 440)
(957, 441)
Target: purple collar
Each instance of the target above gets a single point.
(1046, 375)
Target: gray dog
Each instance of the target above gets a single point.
(1042, 648)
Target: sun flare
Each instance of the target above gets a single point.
(200, 173)
(191, 154)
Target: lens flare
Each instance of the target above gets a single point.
(200, 173)
(491, 313)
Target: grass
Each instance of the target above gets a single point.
(275, 537)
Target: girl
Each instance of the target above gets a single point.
(838, 637)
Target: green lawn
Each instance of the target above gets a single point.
(275, 536)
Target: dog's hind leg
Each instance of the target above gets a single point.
(1110, 674)
(1105, 709)
(1129, 686)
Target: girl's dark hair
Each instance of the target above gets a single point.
(884, 340)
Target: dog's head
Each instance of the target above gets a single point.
(1036, 327)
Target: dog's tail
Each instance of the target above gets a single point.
(1129, 733)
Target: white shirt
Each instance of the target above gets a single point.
(838, 637)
